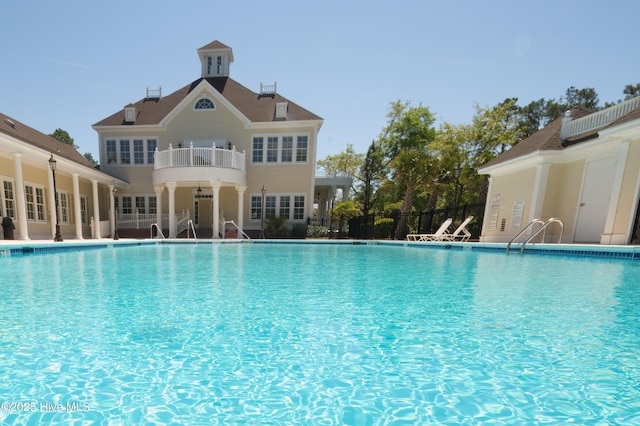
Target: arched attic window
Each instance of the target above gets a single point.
(204, 103)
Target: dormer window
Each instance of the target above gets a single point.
(204, 103)
(130, 114)
(281, 110)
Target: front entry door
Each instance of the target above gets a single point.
(594, 202)
(204, 213)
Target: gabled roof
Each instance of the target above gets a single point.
(214, 45)
(255, 107)
(545, 139)
(26, 134)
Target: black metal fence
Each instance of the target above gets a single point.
(382, 226)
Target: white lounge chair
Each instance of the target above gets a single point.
(461, 233)
(436, 236)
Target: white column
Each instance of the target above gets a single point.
(487, 210)
(173, 230)
(96, 209)
(21, 203)
(158, 190)
(240, 189)
(76, 205)
(539, 192)
(215, 185)
(112, 210)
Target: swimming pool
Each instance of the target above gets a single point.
(317, 334)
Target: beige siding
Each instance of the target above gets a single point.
(510, 189)
(219, 124)
(562, 196)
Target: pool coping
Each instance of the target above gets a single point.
(31, 247)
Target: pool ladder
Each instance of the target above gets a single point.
(543, 229)
(159, 233)
(191, 228)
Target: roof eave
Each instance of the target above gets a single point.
(515, 164)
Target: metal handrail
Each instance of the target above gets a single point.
(523, 230)
(159, 233)
(542, 228)
(237, 227)
(190, 222)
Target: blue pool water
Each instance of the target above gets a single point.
(317, 334)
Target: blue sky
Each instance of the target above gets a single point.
(70, 64)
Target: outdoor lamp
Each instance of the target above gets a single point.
(54, 164)
(264, 192)
(115, 216)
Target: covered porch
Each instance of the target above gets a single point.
(202, 181)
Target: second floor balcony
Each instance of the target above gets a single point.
(199, 164)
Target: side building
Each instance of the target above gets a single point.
(214, 153)
(583, 169)
(34, 168)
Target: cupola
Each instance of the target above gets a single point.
(215, 58)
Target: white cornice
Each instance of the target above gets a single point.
(39, 157)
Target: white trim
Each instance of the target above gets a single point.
(35, 203)
(132, 159)
(294, 148)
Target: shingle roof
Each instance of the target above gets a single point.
(214, 45)
(33, 137)
(546, 139)
(253, 106)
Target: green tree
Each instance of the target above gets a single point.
(631, 91)
(90, 158)
(370, 177)
(406, 141)
(343, 211)
(64, 137)
(495, 130)
(585, 98)
(345, 163)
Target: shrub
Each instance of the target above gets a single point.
(317, 231)
(383, 228)
(299, 230)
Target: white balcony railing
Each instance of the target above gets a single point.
(598, 119)
(200, 157)
(139, 220)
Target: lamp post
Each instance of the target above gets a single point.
(263, 208)
(115, 216)
(456, 173)
(53, 164)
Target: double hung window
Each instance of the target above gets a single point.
(118, 151)
(280, 149)
(35, 203)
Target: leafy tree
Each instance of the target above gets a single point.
(90, 158)
(495, 130)
(345, 163)
(631, 91)
(343, 211)
(370, 175)
(64, 137)
(585, 98)
(406, 141)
